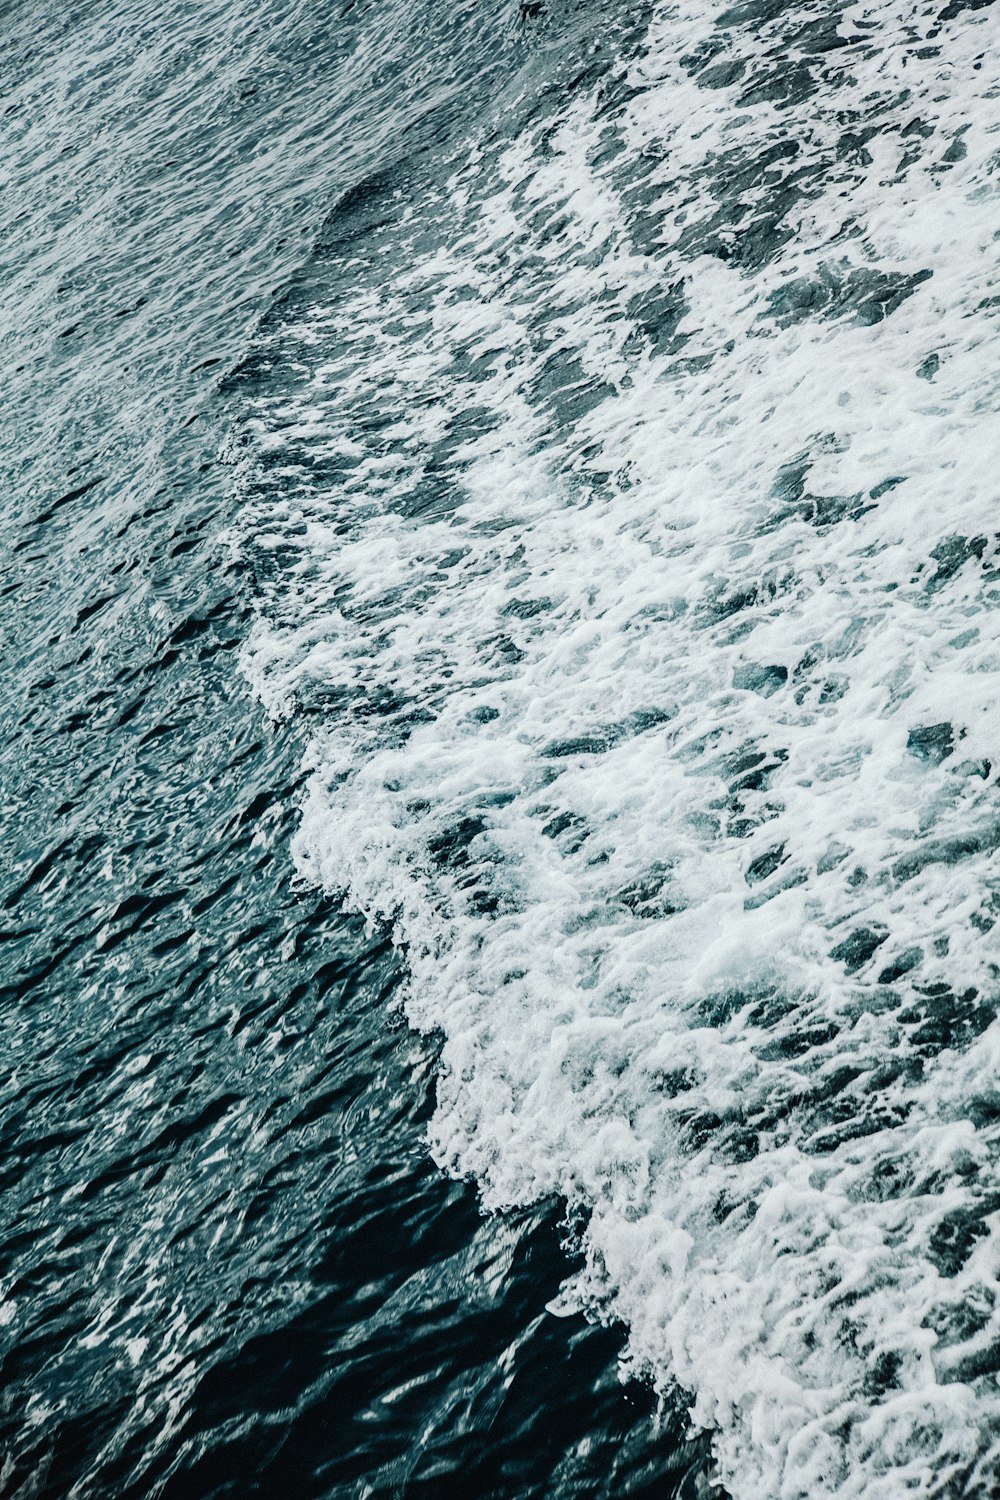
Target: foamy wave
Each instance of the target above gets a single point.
(623, 522)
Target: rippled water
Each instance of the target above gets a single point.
(577, 426)
(228, 1264)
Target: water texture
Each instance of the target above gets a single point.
(228, 1265)
(618, 488)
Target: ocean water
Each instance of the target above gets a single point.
(497, 749)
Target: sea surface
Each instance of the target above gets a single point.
(499, 716)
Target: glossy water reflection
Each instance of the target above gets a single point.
(228, 1266)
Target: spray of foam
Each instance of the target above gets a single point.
(623, 522)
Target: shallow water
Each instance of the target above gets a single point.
(577, 428)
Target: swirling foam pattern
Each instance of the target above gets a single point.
(621, 492)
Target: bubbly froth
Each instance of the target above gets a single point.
(620, 507)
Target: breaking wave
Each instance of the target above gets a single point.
(619, 495)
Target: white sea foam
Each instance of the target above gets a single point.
(624, 522)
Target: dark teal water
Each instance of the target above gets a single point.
(528, 468)
(227, 1263)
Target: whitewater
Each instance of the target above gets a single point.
(619, 490)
